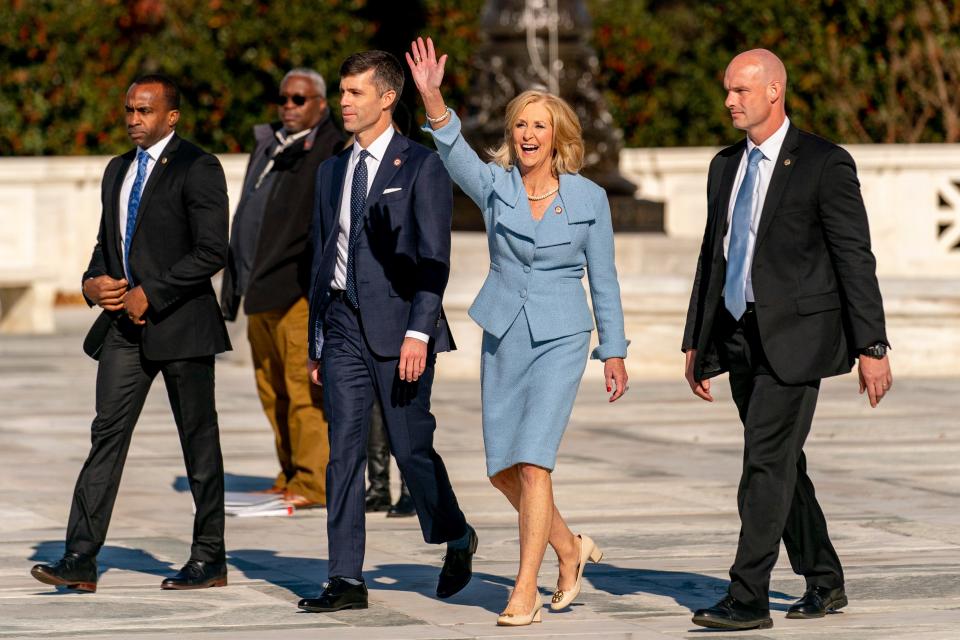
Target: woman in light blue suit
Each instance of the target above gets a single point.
(546, 225)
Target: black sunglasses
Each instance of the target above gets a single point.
(298, 99)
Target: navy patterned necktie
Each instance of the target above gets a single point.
(358, 201)
(133, 207)
(735, 287)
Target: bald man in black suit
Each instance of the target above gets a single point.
(785, 294)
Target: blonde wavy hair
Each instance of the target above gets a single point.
(567, 133)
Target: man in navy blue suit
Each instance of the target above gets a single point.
(381, 232)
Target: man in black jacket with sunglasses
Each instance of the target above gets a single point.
(269, 267)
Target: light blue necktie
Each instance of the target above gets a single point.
(735, 288)
(358, 200)
(133, 207)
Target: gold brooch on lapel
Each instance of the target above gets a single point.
(558, 209)
(163, 160)
(787, 162)
(396, 162)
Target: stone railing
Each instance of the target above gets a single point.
(49, 216)
(50, 207)
(50, 212)
(912, 195)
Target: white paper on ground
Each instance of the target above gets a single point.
(286, 510)
(248, 499)
(239, 503)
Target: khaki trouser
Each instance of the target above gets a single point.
(278, 341)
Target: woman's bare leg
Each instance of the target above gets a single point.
(514, 483)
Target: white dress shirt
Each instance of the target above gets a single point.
(771, 151)
(131, 176)
(377, 149)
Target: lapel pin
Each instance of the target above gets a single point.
(787, 162)
(396, 162)
(163, 160)
(558, 209)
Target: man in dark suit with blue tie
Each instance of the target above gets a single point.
(785, 294)
(163, 234)
(382, 258)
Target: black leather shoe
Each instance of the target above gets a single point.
(730, 613)
(377, 502)
(197, 574)
(457, 568)
(73, 571)
(337, 594)
(403, 509)
(818, 602)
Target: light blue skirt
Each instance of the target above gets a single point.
(528, 389)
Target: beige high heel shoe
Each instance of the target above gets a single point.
(518, 620)
(588, 551)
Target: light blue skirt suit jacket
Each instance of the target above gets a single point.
(532, 306)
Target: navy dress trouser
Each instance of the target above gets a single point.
(352, 374)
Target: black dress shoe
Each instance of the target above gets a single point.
(403, 509)
(457, 568)
(730, 613)
(377, 502)
(337, 594)
(197, 574)
(73, 571)
(818, 602)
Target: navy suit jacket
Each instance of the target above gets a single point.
(402, 256)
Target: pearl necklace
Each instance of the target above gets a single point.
(545, 195)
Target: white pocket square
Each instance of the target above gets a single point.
(392, 190)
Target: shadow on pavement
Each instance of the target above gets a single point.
(304, 577)
(485, 589)
(231, 482)
(689, 590)
(110, 557)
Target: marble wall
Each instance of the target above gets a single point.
(912, 195)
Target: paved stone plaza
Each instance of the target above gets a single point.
(652, 478)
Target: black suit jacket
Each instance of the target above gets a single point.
(814, 276)
(282, 265)
(179, 242)
(403, 254)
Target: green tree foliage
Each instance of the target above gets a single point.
(66, 64)
(860, 70)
